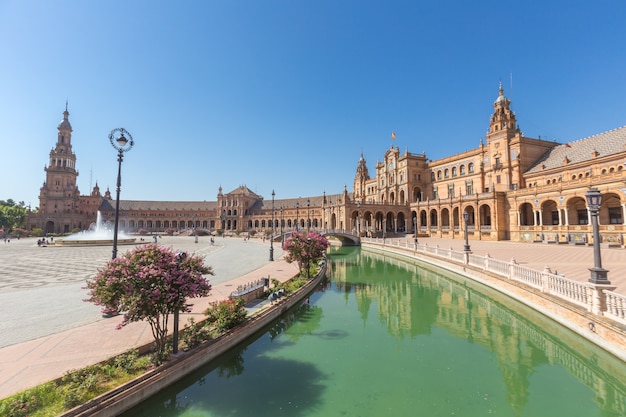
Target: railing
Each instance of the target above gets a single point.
(615, 306)
(595, 299)
(249, 287)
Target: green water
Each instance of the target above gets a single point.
(389, 338)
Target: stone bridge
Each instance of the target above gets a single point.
(346, 238)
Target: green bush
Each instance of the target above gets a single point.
(226, 314)
(194, 334)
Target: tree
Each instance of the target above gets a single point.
(12, 215)
(150, 283)
(305, 249)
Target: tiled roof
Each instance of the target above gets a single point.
(242, 189)
(607, 143)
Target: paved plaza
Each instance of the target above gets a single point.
(46, 329)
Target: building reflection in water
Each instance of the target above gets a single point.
(520, 339)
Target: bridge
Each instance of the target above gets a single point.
(346, 238)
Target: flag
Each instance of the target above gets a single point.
(393, 135)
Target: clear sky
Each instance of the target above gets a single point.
(286, 94)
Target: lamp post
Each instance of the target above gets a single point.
(308, 259)
(297, 207)
(598, 274)
(282, 236)
(358, 219)
(272, 235)
(179, 258)
(121, 144)
(384, 229)
(308, 217)
(466, 248)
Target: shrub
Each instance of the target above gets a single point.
(194, 334)
(226, 314)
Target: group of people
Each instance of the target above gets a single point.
(44, 241)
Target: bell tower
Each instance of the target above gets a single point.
(501, 164)
(59, 195)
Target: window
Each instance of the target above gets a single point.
(582, 217)
(469, 188)
(470, 168)
(454, 171)
(615, 215)
(450, 190)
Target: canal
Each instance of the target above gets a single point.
(390, 337)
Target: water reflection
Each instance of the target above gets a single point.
(412, 300)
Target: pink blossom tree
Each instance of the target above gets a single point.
(150, 283)
(305, 249)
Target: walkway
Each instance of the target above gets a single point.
(37, 297)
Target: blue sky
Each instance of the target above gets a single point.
(286, 94)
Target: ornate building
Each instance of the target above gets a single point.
(512, 187)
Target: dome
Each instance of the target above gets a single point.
(65, 123)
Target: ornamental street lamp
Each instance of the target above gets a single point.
(466, 248)
(308, 259)
(272, 236)
(179, 258)
(121, 144)
(598, 274)
(308, 217)
(358, 219)
(282, 236)
(297, 207)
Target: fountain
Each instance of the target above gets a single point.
(99, 233)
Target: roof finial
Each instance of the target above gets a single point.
(66, 101)
(501, 89)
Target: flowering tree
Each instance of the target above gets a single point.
(149, 283)
(305, 249)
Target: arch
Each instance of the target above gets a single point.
(423, 219)
(471, 217)
(549, 213)
(389, 225)
(401, 197)
(433, 219)
(526, 217)
(417, 194)
(401, 222)
(611, 209)
(445, 218)
(485, 216)
(456, 218)
(392, 197)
